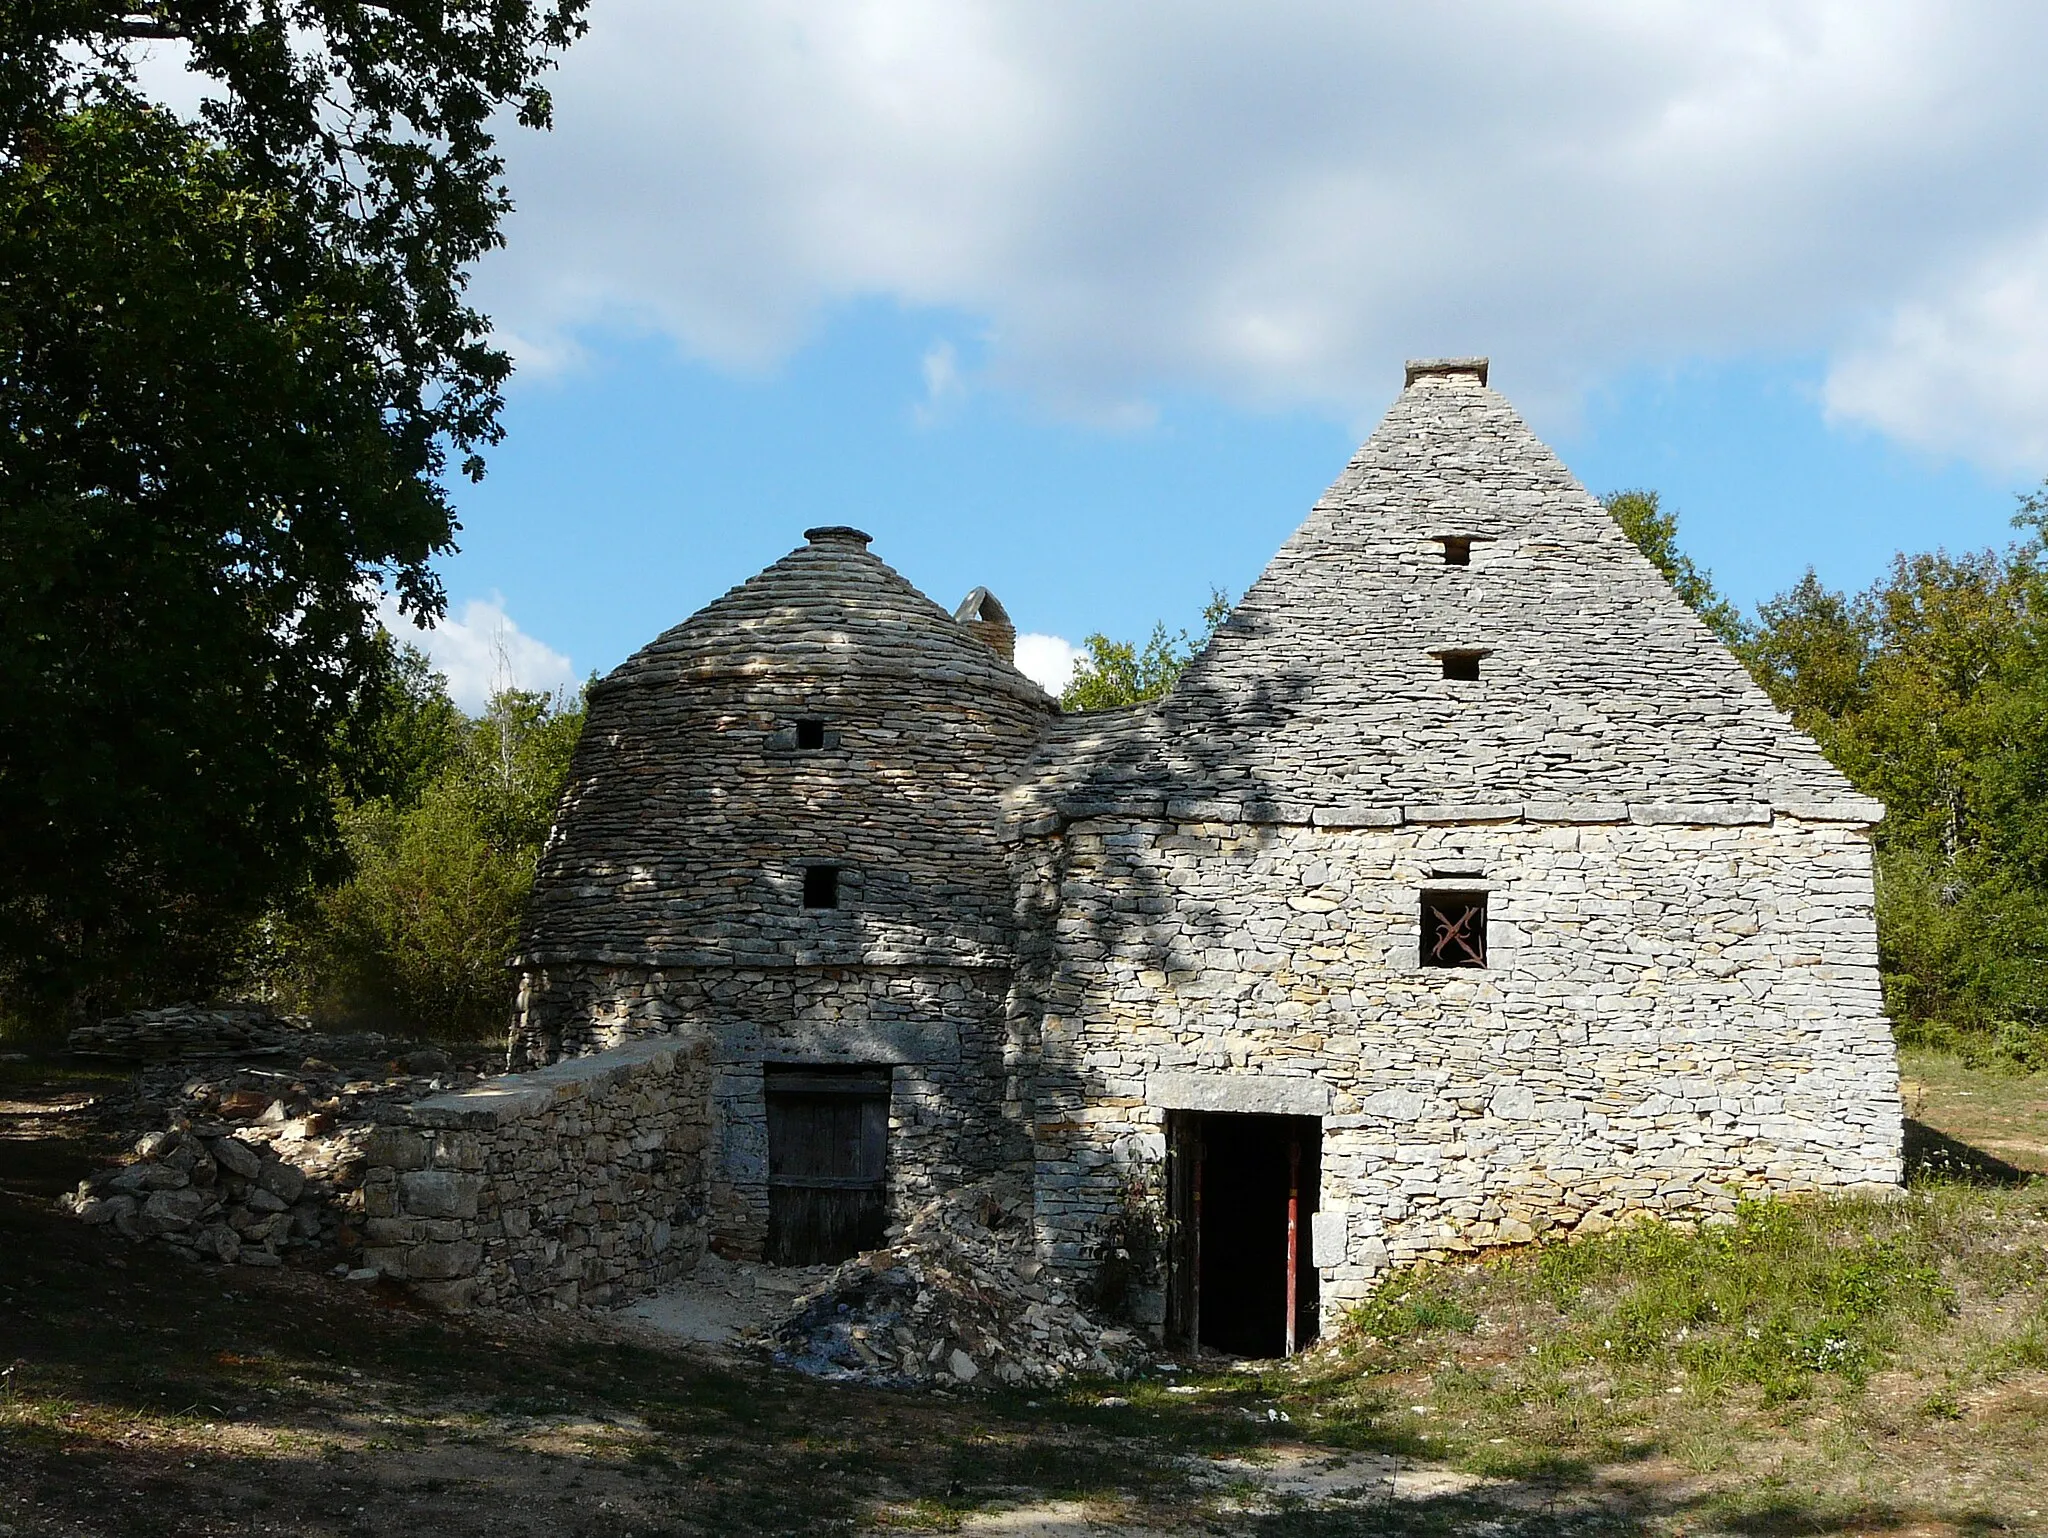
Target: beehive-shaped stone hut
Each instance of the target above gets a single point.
(1465, 886)
(781, 823)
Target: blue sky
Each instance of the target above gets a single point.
(1088, 303)
(641, 485)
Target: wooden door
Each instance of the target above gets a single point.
(828, 1162)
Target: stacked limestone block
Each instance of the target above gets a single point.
(1672, 1015)
(956, 1108)
(578, 1184)
(1219, 896)
(672, 890)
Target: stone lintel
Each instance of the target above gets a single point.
(1575, 811)
(1358, 817)
(1465, 811)
(1197, 809)
(1864, 810)
(1268, 1094)
(1700, 814)
(1079, 809)
(872, 1041)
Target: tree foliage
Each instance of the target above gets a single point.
(235, 360)
(1930, 691)
(1114, 673)
(418, 933)
(1655, 532)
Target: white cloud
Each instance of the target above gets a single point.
(1965, 370)
(944, 383)
(1047, 661)
(482, 652)
(1277, 203)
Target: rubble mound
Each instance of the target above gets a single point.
(957, 1297)
(217, 1198)
(187, 1030)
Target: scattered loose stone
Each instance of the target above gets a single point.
(952, 1301)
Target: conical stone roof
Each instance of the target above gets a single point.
(827, 607)
(1324, 697)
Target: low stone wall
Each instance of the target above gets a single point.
(580, 1183)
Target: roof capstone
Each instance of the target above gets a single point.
(1421, 368)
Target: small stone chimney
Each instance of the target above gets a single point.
(989, 623)
(1444, 368)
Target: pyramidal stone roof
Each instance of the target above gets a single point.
(1325, 697)
(827, 607)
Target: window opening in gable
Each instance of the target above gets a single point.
(1463, 666)
(810, 734)
(1457, 549)
(821, 886)
(1454, 929)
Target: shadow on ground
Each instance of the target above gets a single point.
(1933, 1154)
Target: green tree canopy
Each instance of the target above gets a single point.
(1930, 691)
(1655, 533)
(442, 843)
(235, 359)
(1114, 673)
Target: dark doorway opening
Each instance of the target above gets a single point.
(828, 1161)
(1233, 1179)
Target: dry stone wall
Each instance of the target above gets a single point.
(958, 1080)
(1671, 1014)
(578, 1184)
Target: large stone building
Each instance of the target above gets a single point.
(1464, 888)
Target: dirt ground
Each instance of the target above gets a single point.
(140, 1394)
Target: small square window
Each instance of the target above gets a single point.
(1457, 550)
(810, 734)
(1454, 929)
(1463, 666)
(821, 886)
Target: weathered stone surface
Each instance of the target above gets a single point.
(580, 1183)
(1394, 1105)
(171, 1212)
(237, 1157)
(282, 1180)
(186, 1030)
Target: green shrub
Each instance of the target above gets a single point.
(421, 933)
(1406, 1307)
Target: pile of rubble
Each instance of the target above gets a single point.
(957, 1297)
(186, 1030)
(216, 1198)
(254, 1163)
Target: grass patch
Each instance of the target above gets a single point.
(1783, 1295)
(1801, 1335)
